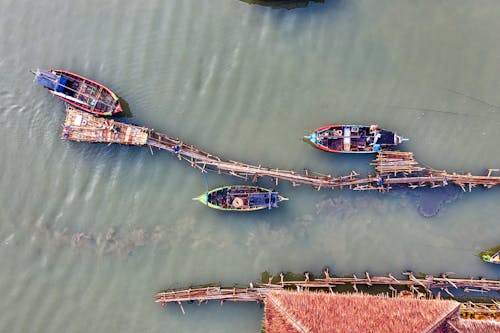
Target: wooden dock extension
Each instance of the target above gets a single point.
(395, 162)
(418, 287)
(393, 168)
(250, 294)
(83, 126)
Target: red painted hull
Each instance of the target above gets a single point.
(353, 139)
(322, 147)
(112, 109)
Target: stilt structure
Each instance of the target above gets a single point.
(393, 167)
(84, 127)
(429, 285)
(481, 311)
(311, 305)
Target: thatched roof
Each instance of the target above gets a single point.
(288, 311)
(476, 326)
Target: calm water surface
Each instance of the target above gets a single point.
(245, 82)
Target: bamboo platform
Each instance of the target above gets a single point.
(481, 311)
(393, 168)
(83, 126)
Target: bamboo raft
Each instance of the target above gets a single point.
(393, 168)
(84, 127)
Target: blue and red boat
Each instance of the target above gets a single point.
(354, 138)
(79, 91)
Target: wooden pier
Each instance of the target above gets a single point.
(393, 168)
(84, 127)
(418, 287)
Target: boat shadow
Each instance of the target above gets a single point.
(126, 112)
(314, 6)
(282, 4)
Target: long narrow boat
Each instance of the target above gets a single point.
(491, 255)
(354, 138)
(80, 92)
(240, 198)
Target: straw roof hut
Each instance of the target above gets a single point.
(287, 311)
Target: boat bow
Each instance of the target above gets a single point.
(203, 198)
(313, 137)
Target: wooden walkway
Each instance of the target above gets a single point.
(417, 287)
(392, 167)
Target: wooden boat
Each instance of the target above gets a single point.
(280, 4)
(80, 92)
(240, 198)
(353, 138)
(491, 255)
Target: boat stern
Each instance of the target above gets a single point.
(282, 198)
(399, 139)
(118, 109)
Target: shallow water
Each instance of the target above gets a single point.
(88, 233)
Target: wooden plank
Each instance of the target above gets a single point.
(127, 134)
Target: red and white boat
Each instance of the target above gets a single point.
(79, 91)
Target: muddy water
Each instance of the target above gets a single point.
(88, 233)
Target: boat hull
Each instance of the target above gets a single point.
(240, 198)
(353, 139)
(80, 92)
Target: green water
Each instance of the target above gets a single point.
(89, 233)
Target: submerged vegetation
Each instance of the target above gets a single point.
(113, 241)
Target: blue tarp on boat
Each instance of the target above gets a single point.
(387, 138)
(262, 199)
(50, 80)
(62, 82)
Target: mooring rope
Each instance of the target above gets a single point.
(206, 185)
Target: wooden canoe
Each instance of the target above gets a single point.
(354, 138)
(79, 91)
(240, 198)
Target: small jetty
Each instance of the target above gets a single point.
(420, 287)
(84, 127)
(312, 305)
(393, 168)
